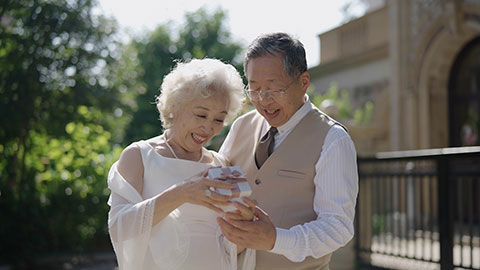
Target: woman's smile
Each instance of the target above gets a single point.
(198, 139)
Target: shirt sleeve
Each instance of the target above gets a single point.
(228, 142)
(336, 189)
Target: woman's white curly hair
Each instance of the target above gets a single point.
(196, 79)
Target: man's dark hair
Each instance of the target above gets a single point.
(291, 49)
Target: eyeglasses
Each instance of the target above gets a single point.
(255, 95)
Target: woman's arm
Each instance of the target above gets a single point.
(130, 166)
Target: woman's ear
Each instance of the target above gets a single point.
(171, 114)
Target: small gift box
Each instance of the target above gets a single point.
(233, 174)
(225, 172)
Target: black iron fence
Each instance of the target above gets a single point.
(420, 209)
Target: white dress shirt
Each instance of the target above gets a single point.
(336, 189)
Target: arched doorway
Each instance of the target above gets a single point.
(464, 97)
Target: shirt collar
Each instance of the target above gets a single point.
(296, 117)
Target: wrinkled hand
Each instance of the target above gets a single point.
(200, 190)
(243, 212)
(259, 233)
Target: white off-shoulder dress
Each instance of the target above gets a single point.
(188, 238)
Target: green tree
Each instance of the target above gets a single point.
(201, 35)
(61, 104)
(358, 116)
(340, 97)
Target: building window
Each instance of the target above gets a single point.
(464, 97)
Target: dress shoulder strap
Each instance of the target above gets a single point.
(144, 148)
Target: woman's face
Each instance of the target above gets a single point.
(197, 121)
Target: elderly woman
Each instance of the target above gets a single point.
(163, 209)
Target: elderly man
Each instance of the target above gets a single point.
(300, 163)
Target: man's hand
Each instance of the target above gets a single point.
(259, 233)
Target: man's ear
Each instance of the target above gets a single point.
(305, 81)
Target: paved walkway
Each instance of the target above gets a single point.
(96, 261)
(93, 261)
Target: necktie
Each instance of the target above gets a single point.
(265, 147)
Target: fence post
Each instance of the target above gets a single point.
(445, 212)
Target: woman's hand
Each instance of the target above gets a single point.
(201, 191)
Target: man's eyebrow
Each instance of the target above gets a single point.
(268, 80)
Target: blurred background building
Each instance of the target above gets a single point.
(418, 63)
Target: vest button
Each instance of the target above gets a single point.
(257, 181)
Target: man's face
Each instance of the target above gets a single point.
(267, 73)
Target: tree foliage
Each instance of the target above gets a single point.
(71, 96)
(360, 116)
(60, 100)
(202, 35)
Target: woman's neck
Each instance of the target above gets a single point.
(180, 152)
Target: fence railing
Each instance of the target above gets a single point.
(420, 209)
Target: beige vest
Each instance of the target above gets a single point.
(283, 186)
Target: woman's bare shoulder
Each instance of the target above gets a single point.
(130, 154)
(130, 166)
